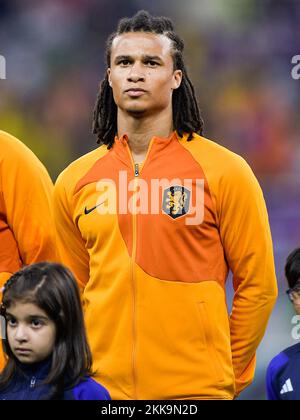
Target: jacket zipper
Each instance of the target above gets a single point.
(137, 171)
(32, 382)
(31, 388)
(133, 276)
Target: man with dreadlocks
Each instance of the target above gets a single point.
(152, 221)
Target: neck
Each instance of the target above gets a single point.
(41, 368)
(140, 131)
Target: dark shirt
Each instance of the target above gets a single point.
(28, 384)
(283, 375)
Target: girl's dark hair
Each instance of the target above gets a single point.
(292, 268)
(52, 288)
(186, 114)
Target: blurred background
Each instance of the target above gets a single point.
(238, 53)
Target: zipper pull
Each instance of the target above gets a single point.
(136, 169)
(32, 382)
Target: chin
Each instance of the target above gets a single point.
(26, 360)
(136, 112)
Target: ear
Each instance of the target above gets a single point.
(177, 79)
(109, 77)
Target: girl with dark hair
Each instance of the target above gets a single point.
(47, 352)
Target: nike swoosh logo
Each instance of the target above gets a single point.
(88, 211)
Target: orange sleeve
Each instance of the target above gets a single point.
(10, 260)
(71, 247)
(247, 242)
(26, 201)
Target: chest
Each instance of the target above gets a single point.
(175, 200)
(288, 386)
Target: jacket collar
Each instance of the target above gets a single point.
(157, 144)
(39, 370)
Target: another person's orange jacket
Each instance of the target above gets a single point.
(152, 268)
(26, 219)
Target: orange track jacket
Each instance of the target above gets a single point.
(152, 267)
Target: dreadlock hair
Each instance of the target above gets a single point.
(186, 114)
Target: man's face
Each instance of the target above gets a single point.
(142, 73)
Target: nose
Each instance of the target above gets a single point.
(136, 74)
(21, 335)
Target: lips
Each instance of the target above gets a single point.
(135, 92)
(22, 351)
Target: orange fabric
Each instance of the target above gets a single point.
(246, 238)
(10, 260)
(154, 284)
(192, 246)
(26, 219)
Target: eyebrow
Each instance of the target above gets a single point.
(144, 58)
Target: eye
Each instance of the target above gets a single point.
(12, 322)
(36, 323)
(124, 62)
(152, 63)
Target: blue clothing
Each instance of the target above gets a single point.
(28, 385)
(283, 375)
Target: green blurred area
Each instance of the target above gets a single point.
(46, 144)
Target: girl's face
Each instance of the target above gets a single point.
(30, 332)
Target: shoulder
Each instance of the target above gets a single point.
(77, 169)
(89, 389)
(293, 351)
(279, 362)
(14, 388)
(10, 143)
(19, 160)
(217, 161)
(12, 148)
(229, 176)
(209, 149)
(280, 372)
